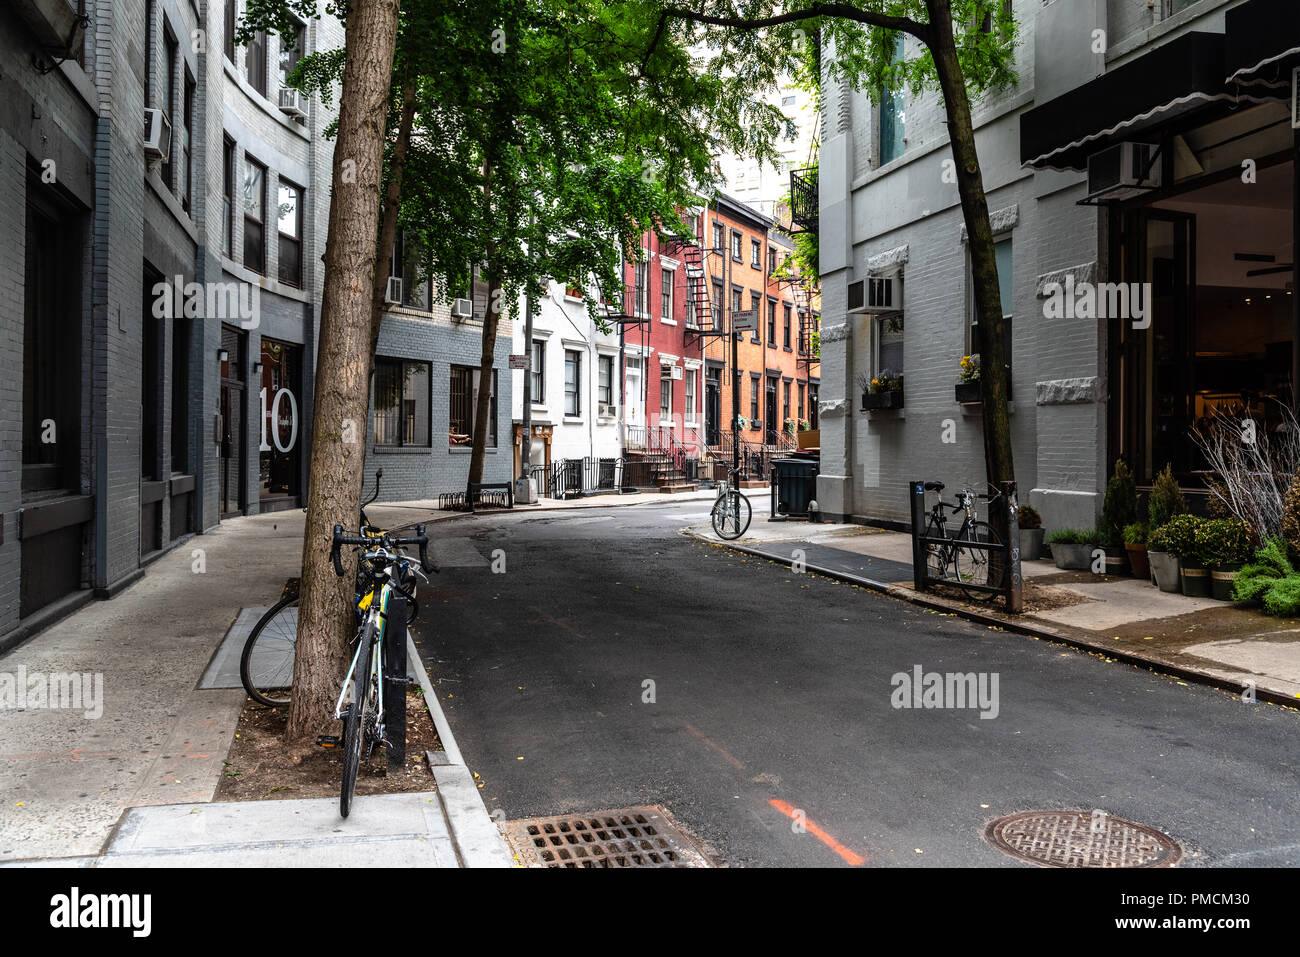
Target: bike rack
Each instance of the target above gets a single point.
(1013, 587)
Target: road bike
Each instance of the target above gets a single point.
(266, 663)
(963, 558)
(388, 572)
(731, 510)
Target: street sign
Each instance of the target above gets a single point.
(746, 321)
(519, 362)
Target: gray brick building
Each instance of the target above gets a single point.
(1198, 88)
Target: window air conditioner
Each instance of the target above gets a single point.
(462, 308)
(292, 102)
(1124, 170)
(876, 294)
(677, 372)
(157, 136)
(608, 410)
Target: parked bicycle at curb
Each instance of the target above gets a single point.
(731, 509)
(963, 558)
(387, 572)
(266, 664)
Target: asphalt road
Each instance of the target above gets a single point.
(773, 698)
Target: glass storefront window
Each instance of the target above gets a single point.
(281, 423)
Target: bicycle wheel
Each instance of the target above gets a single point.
(354, 722)
(937, 557)
(976, 565)
(731, 515)
(266, 665)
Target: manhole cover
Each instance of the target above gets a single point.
(1081, 839)
(631, 837)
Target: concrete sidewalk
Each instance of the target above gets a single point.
(155, 755)
(1238, 649)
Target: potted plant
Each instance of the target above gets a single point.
(885, 391)
(968, 379)
(1166, 502)
(1189, 541)
(1031, 533)
(1135, 543)
(1163, 559)
(1118, 510)
(1072, 548)
(805, 425)
(1230, 549)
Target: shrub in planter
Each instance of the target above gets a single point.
(1119, 509)
(1270, 580)
(1163, 561)
(1189, 541)
(1072, 548)
(1166, 499)
(1291, 518)
(1228, 547)
(1031, 533)
(1135, 543)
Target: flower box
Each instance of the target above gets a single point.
(968, 392)
(888, 399)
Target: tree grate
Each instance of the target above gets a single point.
(630, 837)
(1081, 839)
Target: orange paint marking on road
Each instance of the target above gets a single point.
(731, 760)
(850, 857)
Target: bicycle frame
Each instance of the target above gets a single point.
(376, 615)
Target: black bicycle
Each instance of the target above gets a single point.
(266, 664)
(963, 558)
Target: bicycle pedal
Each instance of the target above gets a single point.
(328, 740)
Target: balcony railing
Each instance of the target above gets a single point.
(803, 198)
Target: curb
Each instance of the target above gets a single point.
(478, 841)
(1040, 632)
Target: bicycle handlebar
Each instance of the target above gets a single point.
(341, 540)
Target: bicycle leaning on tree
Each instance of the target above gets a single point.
(963, 558)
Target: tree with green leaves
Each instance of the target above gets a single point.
(964, 47)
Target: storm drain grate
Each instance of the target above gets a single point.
(630, 837)
(1081, 839)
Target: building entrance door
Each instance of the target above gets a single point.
(231, 433)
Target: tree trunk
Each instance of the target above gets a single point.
(491, 319)
(343, 363)
(392, 206)
(998, 462)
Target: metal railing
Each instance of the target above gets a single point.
(570, 478)
(1004, 572)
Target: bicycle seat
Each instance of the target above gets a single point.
(934, 486)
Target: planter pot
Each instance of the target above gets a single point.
(1164, 570)
(1116, 560)
(1221, 581)
(1137, 558)
(968, 391)
(1031, 544)
(892, 399)
(1072, 557)
(1196, 581)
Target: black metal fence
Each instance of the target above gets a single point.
(570, 478)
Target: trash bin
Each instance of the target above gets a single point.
(796, 484)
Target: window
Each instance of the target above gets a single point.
(640, 290)
(986, 22)
(148, 53)
(771, 322)
(463, 406)
(256, 62)
(690, 394)
(787, 101)
(814, 420)
(187, 143)
(735, 298)
(756, 307)
(254, 215)
(753, 398)
(666, 293)
(665, 393)
(771, 260)
(572, 382)
(605, 380)
(169, 104)
(232, 14)
(292, 46)
(228, 197)
(785, 325)
(1002, 250)
(1176, 6)
(716, 305)
(151, 400)
(800, 401)
(289, 210)
(785, 403)
(402, 402)
(717, 237)
(736, 240)
(893, 116)
(756, 254)
(180, 395)
(889, 344)
(692, 321)
(537, 373)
